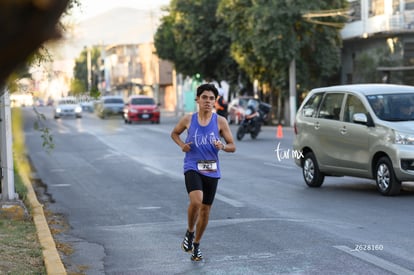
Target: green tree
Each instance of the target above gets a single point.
(25, 27)
(79, 84)
(261, 36)
(268, 35)
(196, 41)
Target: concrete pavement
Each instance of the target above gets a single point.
(53, 262)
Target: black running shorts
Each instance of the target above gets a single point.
(196, 181)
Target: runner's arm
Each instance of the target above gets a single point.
(225, 132)
(181, 126)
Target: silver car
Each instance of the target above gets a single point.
(111, 105)
(67, 106)
(364, 130)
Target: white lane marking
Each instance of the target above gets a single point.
(57, 170)
(279, 166)
(152, 170)
(149, 207)
(232, 202)
(391, 267)
(63, 130)
(60, 185)
(112, 153)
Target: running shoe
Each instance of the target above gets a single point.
(196, 256)
(187, 244)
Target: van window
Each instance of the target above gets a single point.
(311, 106)
(390, 107)
(352, 106)
(331, 106)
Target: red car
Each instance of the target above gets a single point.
(141, 108)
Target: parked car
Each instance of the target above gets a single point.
(359, 131)
(87, 106)
(237, 108)
(66, 107)
(111, 105)
(141, 108)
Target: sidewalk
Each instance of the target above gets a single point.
(53, 262)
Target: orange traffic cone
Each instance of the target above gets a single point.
(279, 133)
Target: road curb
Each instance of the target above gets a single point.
(52, 260)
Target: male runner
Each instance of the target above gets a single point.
(205, 129)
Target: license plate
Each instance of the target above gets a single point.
(145, 116)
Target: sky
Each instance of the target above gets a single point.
(91, 8)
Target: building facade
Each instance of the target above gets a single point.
(130, 69)
(378, 42)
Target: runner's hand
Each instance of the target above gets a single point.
(218, 144)
(186, 147)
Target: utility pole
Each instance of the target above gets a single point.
(6, 153)
(292, 92)
(89, 68)
(155, 62)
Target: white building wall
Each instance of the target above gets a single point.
(390, 20)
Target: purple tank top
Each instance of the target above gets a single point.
(203, 156)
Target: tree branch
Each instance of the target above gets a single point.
(24, 26)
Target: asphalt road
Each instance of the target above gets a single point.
(121, 189)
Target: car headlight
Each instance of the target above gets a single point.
(78, 109)
(133, 111)
(58, 110)
(404, 138)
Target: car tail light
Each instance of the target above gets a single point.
(295, 128)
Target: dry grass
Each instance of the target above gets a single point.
(20, 250)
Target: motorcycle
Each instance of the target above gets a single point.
(253, 125)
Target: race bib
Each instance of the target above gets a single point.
(207, 165)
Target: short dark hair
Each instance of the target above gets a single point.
(207, 87)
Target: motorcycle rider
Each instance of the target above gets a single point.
(221, 104)
(251, 115)
(253, 119)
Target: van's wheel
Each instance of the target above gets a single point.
(387, 183)
(310, 169)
